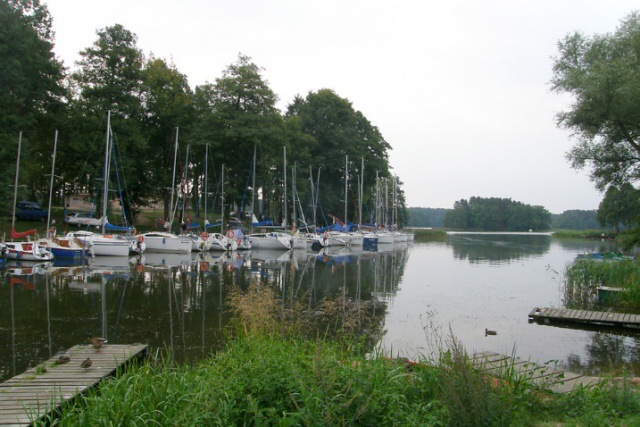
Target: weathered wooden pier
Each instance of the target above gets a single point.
(39, 391)
(605, 318)
(556, 380)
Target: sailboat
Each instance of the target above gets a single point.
(62, 247)
(25, 251)
(164, 241)
(104, 244)
(277, 239)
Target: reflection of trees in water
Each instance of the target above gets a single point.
(607, 354)
(498, 248)
(181, 308)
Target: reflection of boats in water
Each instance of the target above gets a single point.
(24, 273)
(163, 259)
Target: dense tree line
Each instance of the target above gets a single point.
(496, 214)
(427, 217)
(152, 106)
(575, 219)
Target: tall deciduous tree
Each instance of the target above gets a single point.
(30, 86)
(337, 130)
(602, 73)
(236, 114)
(168, 105)
(110, 78)
(620, 206)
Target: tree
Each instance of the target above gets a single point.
(602, 72)
(110, 78)
(620, 206)
(236, 114)
(337, 131)
(168, 103)
(30, 88)
(576, 219)
(496, 214)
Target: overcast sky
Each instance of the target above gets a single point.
(458, 88)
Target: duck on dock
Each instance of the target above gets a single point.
(86, 363)
(489, 332)
(97, 342)
(62, 359)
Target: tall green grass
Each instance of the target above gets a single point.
(584, 276)
(273, 372)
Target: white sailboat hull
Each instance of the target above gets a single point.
(167, 242)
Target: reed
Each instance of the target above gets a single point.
(583, 277)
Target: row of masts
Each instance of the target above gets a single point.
(382, 214)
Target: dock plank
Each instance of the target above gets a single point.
(554, 379)
(624, 320)
(33, 394)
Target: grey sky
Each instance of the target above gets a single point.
(458, 88)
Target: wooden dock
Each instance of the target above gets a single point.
(624, 320)
(34, 394)
(556, 380)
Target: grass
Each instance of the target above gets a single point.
(428, 234)
(280, 369)
(585, 234)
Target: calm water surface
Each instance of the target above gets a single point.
(422, 292)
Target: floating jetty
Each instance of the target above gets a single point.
(37, 392)
(597, 318)
(556, 380)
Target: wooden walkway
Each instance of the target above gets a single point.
(624, 320)
(34, 394)
(553, 379)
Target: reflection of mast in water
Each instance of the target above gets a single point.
(13, 331)
(48, 315)
(171, 280)
(103, 304)
(221, 284)
(203, 288)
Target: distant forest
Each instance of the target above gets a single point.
(568, 220)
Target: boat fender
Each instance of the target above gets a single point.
(230, 234)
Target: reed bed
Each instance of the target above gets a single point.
(275, 372)
(584, 276)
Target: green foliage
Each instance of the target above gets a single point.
(620, 206)
(427, 217)
(584, 276)
(496, 214)
(575, 219)
(601, 73)
(30, 91)
(336, 130)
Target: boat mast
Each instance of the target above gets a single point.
(105, 193)
(360, 192)
(53, 166)
(173, 181)
(313, 197)
(15, 187)
(346, 180)
(377, 214)
(284, 194)
(253, 189)
(183, 183)
(206, 194)
(222, 200)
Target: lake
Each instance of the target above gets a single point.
(423, 293)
